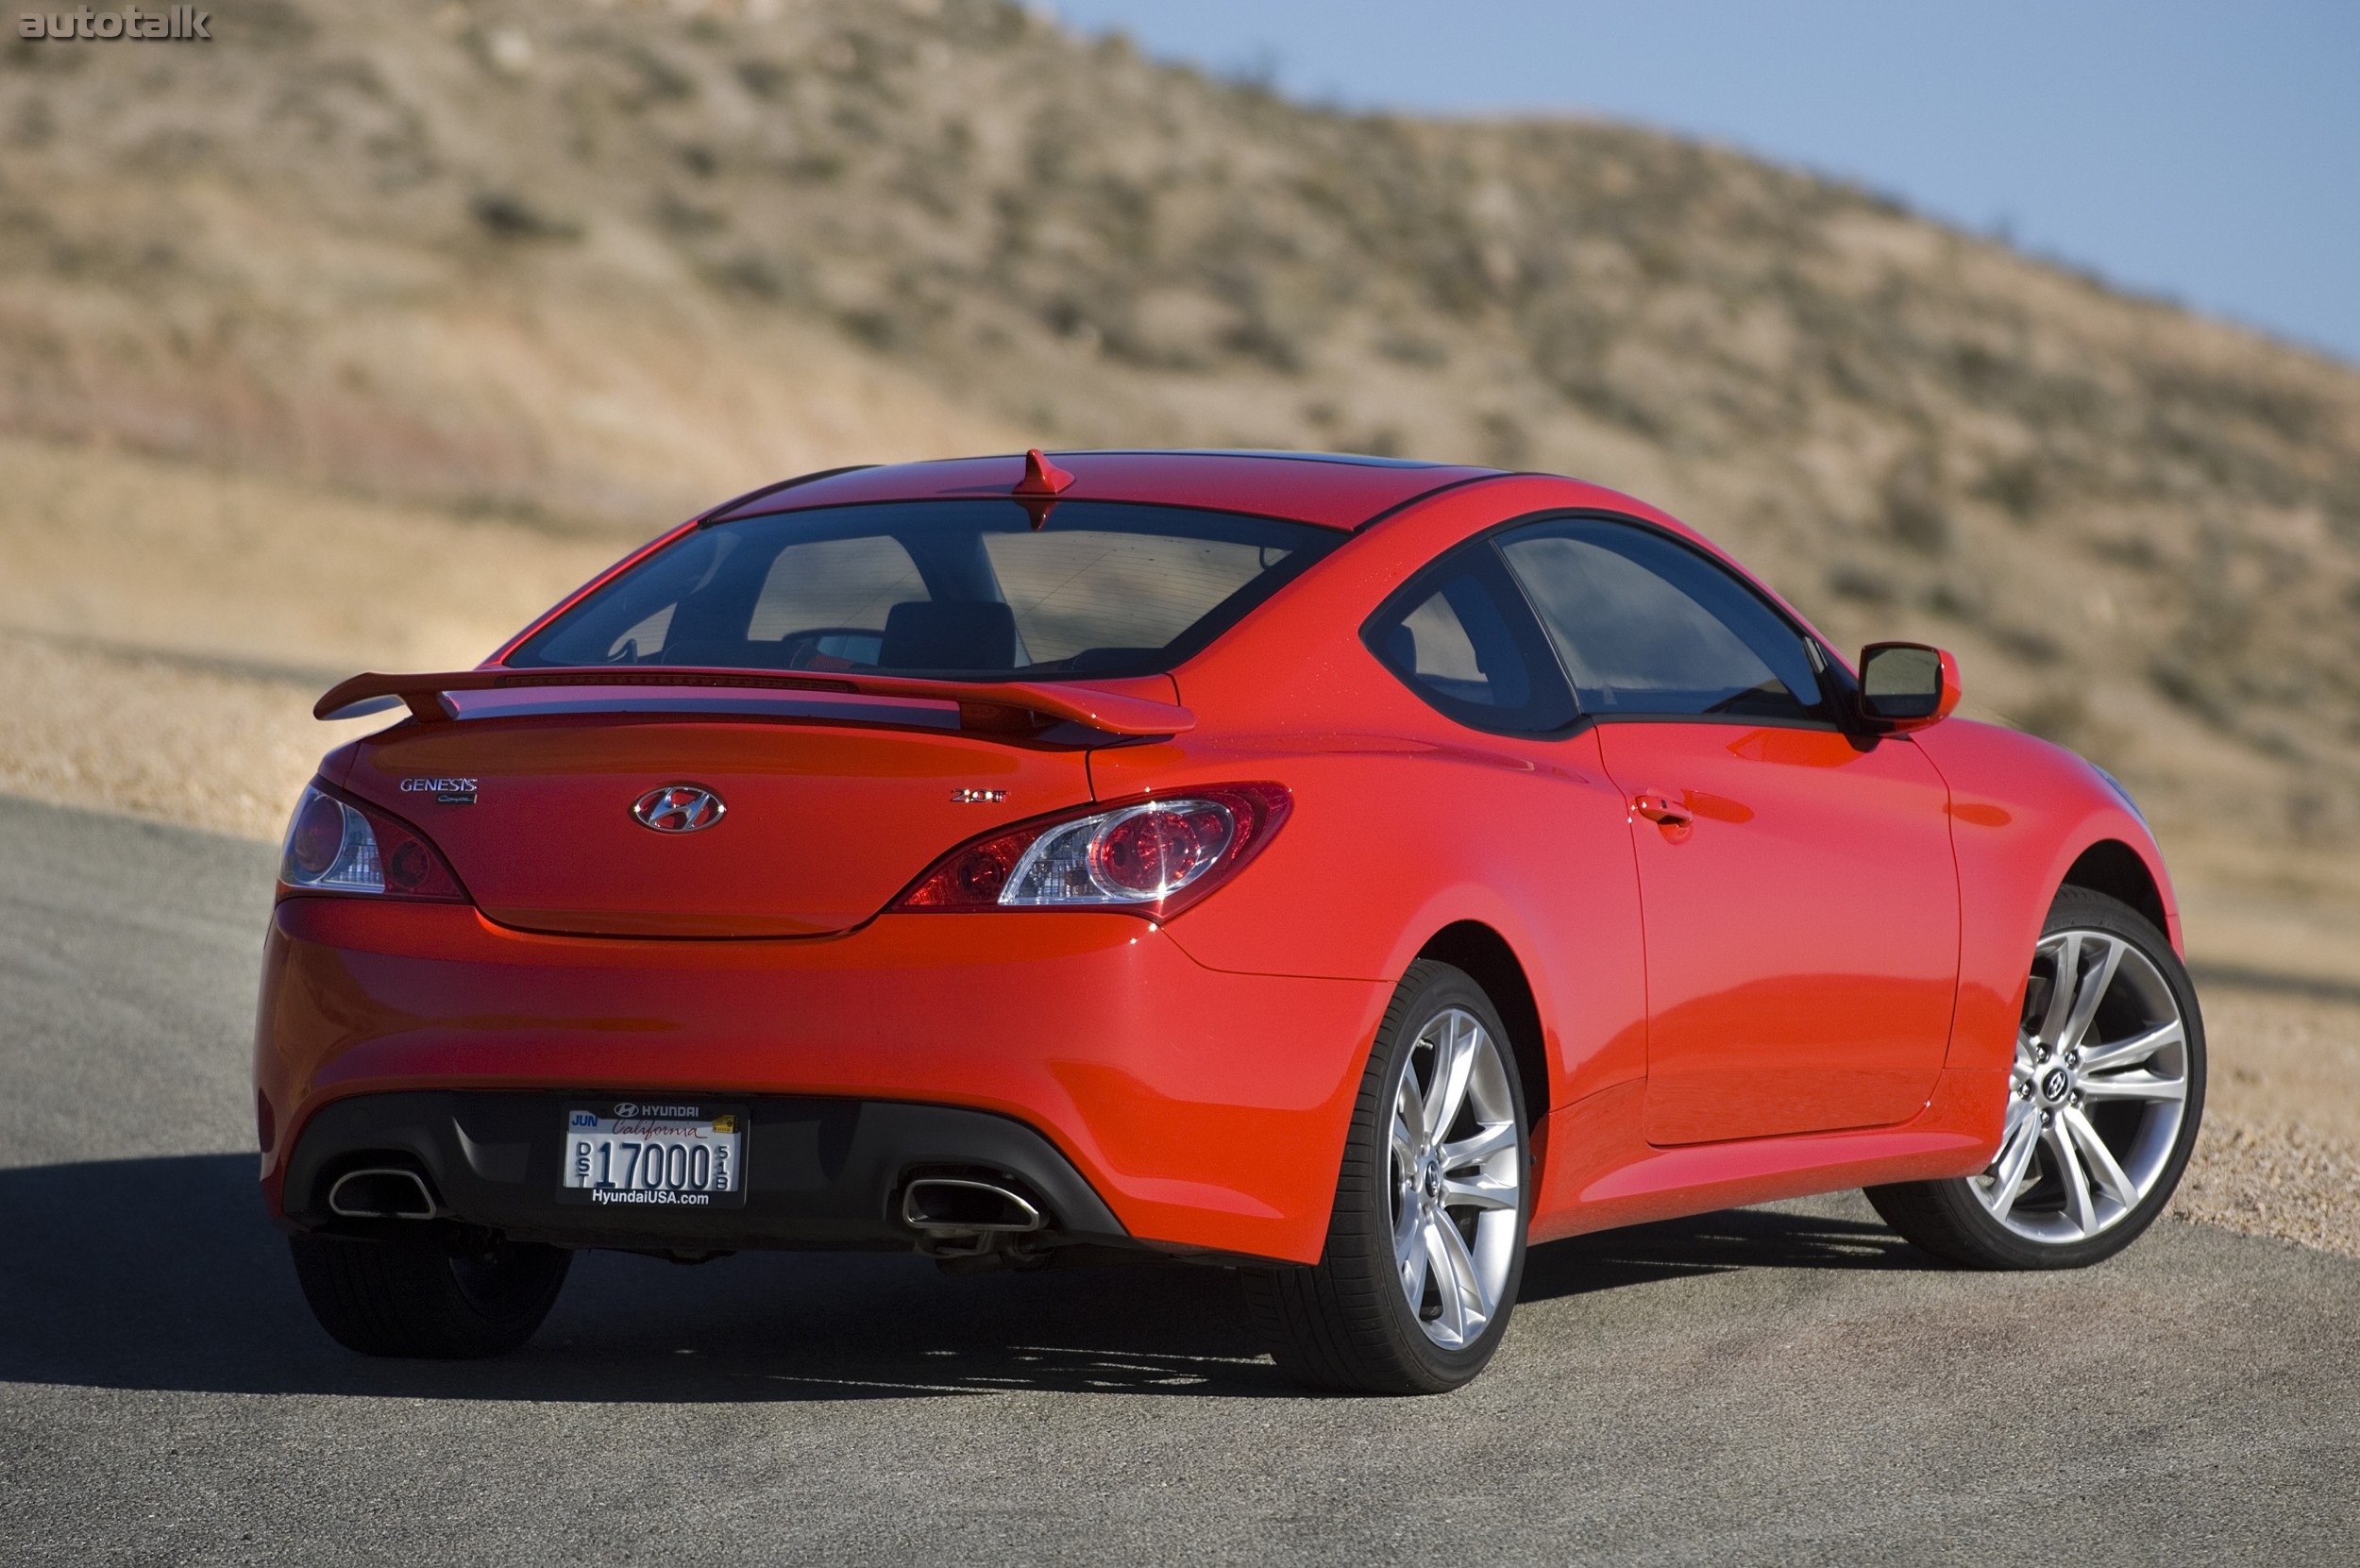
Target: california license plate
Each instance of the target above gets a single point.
(651, 1154)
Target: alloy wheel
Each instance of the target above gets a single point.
(1456, 1166)
(2097, 1094)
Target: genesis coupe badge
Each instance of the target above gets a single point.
(677, 808)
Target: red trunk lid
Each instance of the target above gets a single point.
(823, 824)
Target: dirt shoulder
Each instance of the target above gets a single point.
(2281, 1150)
(168, 627)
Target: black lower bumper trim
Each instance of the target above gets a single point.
(819, 1172)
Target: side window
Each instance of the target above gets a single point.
(825, 603)
(639, 631)
(1645, 625)
(1083, 589)
(834, 584)
(1460, 636)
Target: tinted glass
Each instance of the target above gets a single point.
(1460, 636)
(1647, 626)
(964, 589)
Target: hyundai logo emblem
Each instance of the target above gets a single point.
(677, 808)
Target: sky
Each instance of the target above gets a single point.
(2205, 153)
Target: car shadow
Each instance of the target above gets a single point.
(1721, 1242)
(162, 1273)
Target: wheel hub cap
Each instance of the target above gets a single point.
(1458, 1169)
(2101, 1081)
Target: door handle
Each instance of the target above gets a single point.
(1660, 810)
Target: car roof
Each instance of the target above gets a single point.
(1333, 489)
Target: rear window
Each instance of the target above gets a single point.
(960, 589)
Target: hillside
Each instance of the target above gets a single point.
(427, 310)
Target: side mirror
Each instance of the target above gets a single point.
(1907, 685)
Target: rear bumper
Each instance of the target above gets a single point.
(1203, 1109)
(822, 1172)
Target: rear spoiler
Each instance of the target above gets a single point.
(1004, 707)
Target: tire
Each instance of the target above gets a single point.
(1347, 1325)
(2045, 1202)
(441, 1296)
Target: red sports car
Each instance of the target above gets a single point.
(1342, 870)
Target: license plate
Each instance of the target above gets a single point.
(634, 1154)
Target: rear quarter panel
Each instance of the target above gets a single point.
(1404, 822)
(1393, 838)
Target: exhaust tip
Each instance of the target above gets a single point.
(950, 1204)
(381, 1193)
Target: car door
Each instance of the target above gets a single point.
(1796, 883)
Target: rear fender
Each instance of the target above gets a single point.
(1395, 839)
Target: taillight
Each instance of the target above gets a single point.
(339, 846)
(1146, 857)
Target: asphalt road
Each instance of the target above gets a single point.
(1788, 1385)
